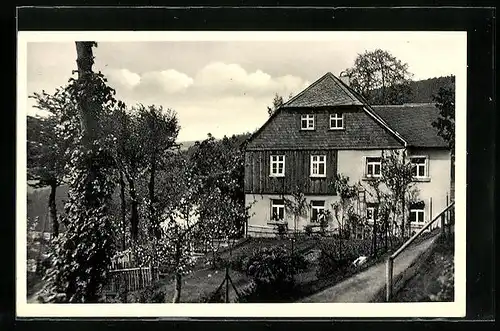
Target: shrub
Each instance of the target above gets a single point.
(149, 294)
(308, 229)
(216, 296)
(282, 230)
(328, 265)
(239, 263)
(272, 272)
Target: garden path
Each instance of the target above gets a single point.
(364, 286)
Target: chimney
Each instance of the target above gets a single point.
(344, 78)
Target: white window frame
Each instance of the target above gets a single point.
(278, 206)
(318, 210)
(309, 120)
(372, 210)
(369, 164)
(315, 163)
(335, 118)
(425, 165)
(277, 160)
(418, 211)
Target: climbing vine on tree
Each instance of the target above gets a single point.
(82, 255)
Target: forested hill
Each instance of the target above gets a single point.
(423, 90)
(420, 91)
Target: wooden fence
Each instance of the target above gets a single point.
(131, 279)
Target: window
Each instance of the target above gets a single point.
(277, 210)
(373, 167)
(317, 211)
(336, 121)
(318, 165)
(277, 165)
(419, 166)
(370, 214)
(307, 122)
(417, 213)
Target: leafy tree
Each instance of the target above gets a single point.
(129, 156)
(219, 164)
(297, 205)
(82, 255)
(46, 159)
(159, 129)
(445, 123)
(395, 189)
(277, 103)
(380, 78)
(343, 209)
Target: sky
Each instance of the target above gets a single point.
(224, 87)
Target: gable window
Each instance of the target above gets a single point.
(307, 122)
(417, 213)
(419, 166)
(318, 165)
(277, 166)
(373, 167)
(317, 210)
(336, 121)
(277, 210)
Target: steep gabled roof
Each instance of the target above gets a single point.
(326, 91)
(414, 123)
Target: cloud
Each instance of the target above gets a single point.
(170, 81)
(129, 78)
(233, 79)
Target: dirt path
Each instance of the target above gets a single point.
(364, 286)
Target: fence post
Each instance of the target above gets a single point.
(443, 224)
(227, 285)
(388, 290)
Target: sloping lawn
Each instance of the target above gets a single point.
(434, 281)
(200, 284)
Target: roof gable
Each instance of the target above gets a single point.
(282, 131)
(326, 91)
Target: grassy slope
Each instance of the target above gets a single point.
(434, 280)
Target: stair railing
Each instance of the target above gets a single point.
(445, 218)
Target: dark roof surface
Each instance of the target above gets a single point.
(326, 91)
(414, 123)
(283, 131)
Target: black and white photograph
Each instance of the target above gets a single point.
(253, 169)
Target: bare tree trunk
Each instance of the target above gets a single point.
(53, 209)
(134, 214)
(152, 198)
(386, 230)
(88, 115)
(178, 275)
(123, 211)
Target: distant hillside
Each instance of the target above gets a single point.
(421, 91)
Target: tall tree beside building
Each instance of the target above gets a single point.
(82, 255)
(445, 123)
(381, 78)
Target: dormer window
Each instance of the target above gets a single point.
(336, 121)
(307, 122)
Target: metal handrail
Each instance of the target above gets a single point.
(390, 260)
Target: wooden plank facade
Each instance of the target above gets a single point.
(297, 172)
